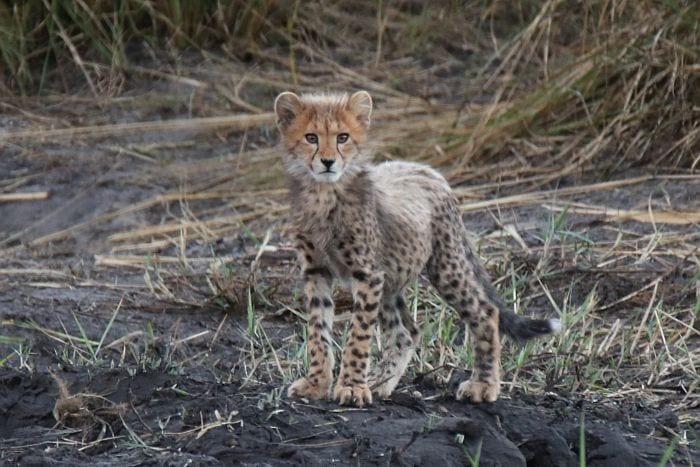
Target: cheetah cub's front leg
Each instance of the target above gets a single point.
(352, 387)
(318, 290)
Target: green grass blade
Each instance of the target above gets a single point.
(85, 340)
(582, 442)
(250, 314)
(109, 326)
(668, 453)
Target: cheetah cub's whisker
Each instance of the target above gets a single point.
(379, 226)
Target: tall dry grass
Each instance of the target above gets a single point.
(569, 86)
(41, 37)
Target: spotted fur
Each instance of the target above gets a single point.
(378, 227)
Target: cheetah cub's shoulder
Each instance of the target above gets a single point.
(378, 227)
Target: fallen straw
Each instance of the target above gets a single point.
(231, 121)
(14, 197)
(620, 215)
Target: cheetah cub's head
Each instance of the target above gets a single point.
(323, 134)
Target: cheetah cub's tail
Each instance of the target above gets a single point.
(522, 329)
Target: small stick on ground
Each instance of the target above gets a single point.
(14, 197)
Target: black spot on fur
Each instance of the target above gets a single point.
(400, 303)
(360, 275)
(318, 271)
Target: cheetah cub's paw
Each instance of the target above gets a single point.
(305, 388)
(381, 384)
(478, 391)
(357, 394)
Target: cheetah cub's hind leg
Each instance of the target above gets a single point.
(316, 385)
(399, 335)
(457, 274)
(459, 287)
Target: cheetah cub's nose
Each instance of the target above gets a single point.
(328, 163)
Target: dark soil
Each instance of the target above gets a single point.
(168, 412)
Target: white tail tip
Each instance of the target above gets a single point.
(555, 326)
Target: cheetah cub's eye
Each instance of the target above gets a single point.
(311, 138)
(343, 138)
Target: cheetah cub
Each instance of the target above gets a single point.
(378, 227)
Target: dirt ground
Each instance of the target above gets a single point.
(111, 355)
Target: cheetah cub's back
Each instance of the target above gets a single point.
(378, 227)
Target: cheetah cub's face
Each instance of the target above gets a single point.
(323, 134)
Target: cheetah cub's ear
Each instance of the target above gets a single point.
(287, 107)
(360, 105)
